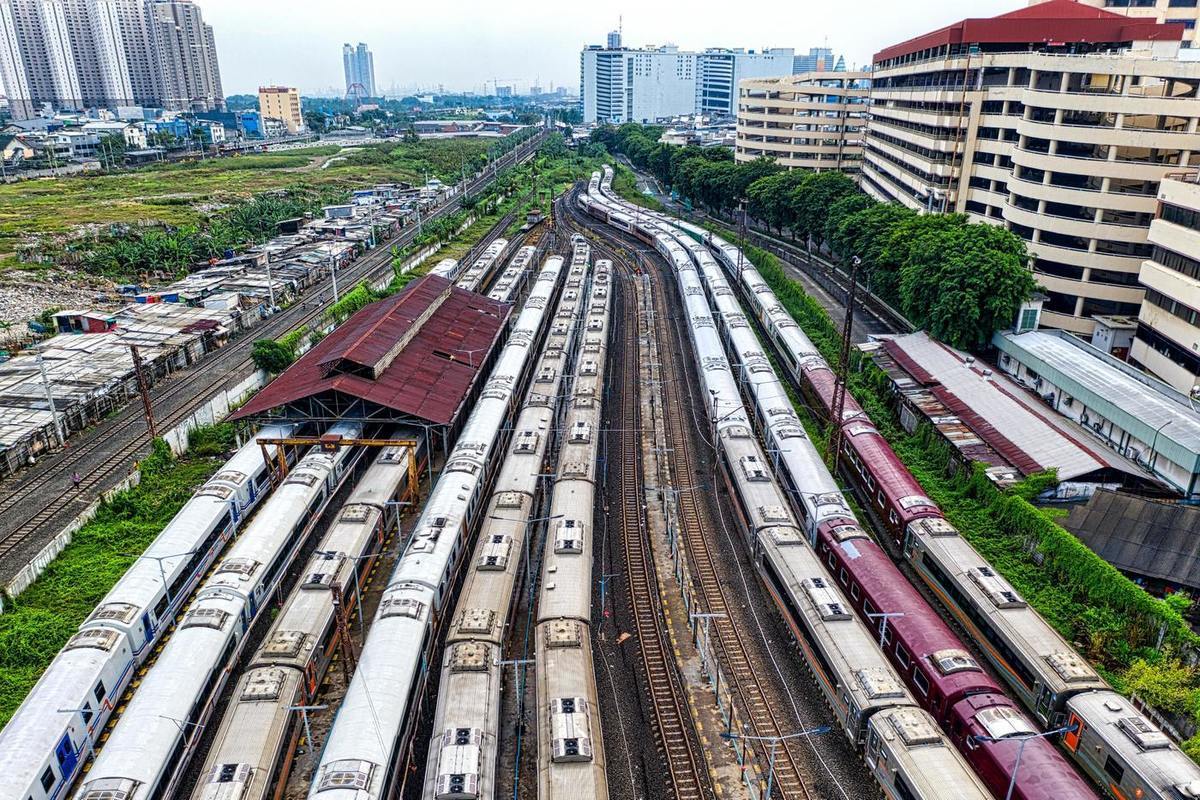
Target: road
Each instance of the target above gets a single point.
(37, 503)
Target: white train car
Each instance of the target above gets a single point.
(374, 724)
(42, 748)
(251, 752)
(858, 682)
(446, 268)
(468, 704)
(159, 729)
(473, 278)
(511, 281)
(1113, 742)
(571, 763)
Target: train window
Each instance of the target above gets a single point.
(867, 607)
(879, 498)
(892, 518)
(870, 483)
(854, 593)
(160, 607)
(902, 655)
(87, 713)
(842, 577)
(902, 790)
(1114, 769)
(832, 563)
(920, 682)
(48, 779)
(99, 692)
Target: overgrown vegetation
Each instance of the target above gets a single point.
(1114, 622)
(273, 356)
(73, 216)
(36, 625)
(957, 280)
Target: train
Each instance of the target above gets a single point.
(475, 276)
(512, 280)
(1128, 757)
(446, 268)
(570, 752)
(158, 731)
(908, 756)
(462, 755)
(251, 753)
(376, 721)
(41, 748)
(934, 663)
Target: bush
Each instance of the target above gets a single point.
(272, 356)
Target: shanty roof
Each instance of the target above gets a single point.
(996, 409)
(416, 353)
(1154, 538)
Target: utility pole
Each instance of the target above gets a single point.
(344, 643)
(143, 390)
(59, 433)
(839, 390)
(304, 716)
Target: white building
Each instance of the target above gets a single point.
(636, 85)
(619, 84)
(81, 54)
(719, 71)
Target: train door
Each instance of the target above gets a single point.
(147, 626)
(1045, 701)
(65, 754)
(1071, 738)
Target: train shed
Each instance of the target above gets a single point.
(413, 359)
(993, 420)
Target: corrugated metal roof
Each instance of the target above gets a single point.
(1133, 401)
(443, 334)
(1154, 538)
(990, 405)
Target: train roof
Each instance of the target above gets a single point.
(1143, 748)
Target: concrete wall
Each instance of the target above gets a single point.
(216, 409)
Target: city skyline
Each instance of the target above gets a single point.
(430, 47)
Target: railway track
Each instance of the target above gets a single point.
(755, 696)
(686, 769)
(52, 490)
(698, 529)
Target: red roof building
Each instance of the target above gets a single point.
(414, 358)
(1054, 24)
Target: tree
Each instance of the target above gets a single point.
(963, 282)
(315, 121)
(867, 234)
(272, 356)
(812, 199)
(410, 135)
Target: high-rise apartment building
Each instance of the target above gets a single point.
(1057, 121)
(1184, 12)
(812, 121)
(719, 71)
(281, 103)
(1167, 340)
(359, 65)
(636, 85)
(818, 59)
(187, 56)
(78, 54)
(620, 84)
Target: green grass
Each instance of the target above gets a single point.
(173, 194)
(41, 620)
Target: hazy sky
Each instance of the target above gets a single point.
(463, 43)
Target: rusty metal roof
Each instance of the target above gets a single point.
(992, 408)
(416, 353)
